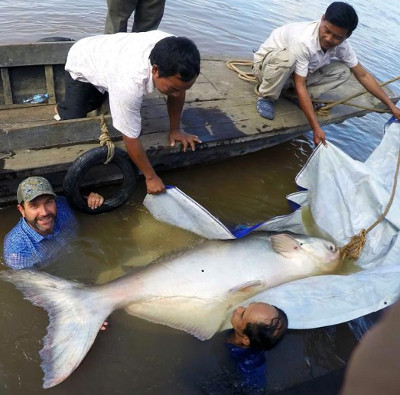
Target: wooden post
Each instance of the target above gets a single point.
(6, 86)
(50, 84)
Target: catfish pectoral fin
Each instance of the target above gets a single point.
(249, 287)
(203, 320)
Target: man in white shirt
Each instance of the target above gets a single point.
(125, 67)
(300, 55)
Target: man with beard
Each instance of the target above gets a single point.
(311, 58)
(46, 226)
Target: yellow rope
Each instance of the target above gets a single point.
(353, 248)
(322, 111)
(231, 64)
(106, 140)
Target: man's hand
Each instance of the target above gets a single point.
(185, 138)
(319, 137)
(396, 113)
(155, 185)
(94, 200)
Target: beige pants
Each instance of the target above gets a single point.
(275, 73)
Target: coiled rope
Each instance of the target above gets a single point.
(105, 139)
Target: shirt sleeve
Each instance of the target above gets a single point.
(18, 254)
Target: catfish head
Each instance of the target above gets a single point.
(321, 255)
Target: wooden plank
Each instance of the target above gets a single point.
(5, 76)
(50, 84)
(34, 54)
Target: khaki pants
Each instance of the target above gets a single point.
(275, 73)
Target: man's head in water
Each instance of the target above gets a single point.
(260, 325)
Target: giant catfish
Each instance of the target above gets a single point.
(193, 291)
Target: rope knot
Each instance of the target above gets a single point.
(105, 139)
(353, 248)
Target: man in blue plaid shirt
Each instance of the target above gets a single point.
(46, 226)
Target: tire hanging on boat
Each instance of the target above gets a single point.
(94, 157)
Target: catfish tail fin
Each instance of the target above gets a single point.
(75, 317)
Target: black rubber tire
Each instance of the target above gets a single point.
(54, 39)
(95, 157)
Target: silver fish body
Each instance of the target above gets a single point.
(193, 291)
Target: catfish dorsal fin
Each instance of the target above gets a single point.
(284, 245)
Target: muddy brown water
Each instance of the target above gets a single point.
(135, 356)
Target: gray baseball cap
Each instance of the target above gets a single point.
(32, 187)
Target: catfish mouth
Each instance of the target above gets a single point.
(333, 264)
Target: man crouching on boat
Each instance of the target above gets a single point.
(299, 55)
(124, 67)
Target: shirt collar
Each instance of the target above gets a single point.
(316, 36)
(37, 237)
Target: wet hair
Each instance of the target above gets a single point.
(264, 336)
(342, 15)
(176, 55)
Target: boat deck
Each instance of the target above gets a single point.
(220, 109)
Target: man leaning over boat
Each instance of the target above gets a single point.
(300, 56)
(124, 67)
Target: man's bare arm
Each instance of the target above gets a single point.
(372, 86)
(308, 109)
(138, 155)
(174, 106)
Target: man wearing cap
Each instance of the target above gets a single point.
(47, 224)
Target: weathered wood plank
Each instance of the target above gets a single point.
(34, 54)
(5, 76)
(50, 83)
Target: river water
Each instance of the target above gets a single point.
(135, 356)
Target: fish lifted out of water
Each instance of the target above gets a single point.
(193, 291)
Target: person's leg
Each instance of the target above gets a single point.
(80, 99)
(273, 73)
(118, 14)
(327, 78)
(148, 15)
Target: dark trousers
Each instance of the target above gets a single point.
(148, 15)
(80, 99)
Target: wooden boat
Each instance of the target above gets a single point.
(220, 109)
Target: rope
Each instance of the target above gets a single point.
(321, 111)
(105, 139)
(231, 64)
(353, 248)
(324, 111)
